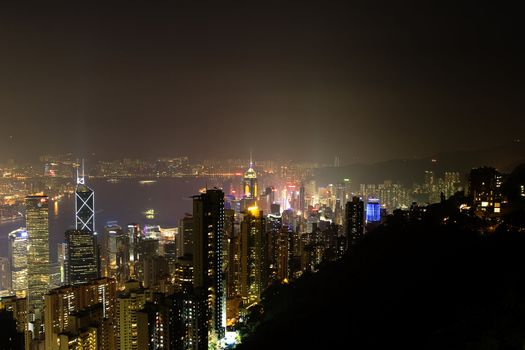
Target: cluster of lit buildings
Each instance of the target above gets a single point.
(397, 196)
(189, 287)
(65, 165)
(144, 287)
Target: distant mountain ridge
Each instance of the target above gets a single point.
(504, 158)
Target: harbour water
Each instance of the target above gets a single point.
(126, 201)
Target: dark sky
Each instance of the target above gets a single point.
(368, 80)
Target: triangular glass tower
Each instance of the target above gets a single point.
(84, 204)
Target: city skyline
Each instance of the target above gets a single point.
(261, 175)
(200, 284)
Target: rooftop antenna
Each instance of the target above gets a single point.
(80, 179)
(251, 160)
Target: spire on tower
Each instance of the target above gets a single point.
(81, 178)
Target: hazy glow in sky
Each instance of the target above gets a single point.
(303, 80)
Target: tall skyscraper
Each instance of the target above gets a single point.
(249, 182)
(233, 256)
(134, 236)
(81, 256)
(274, 224)
(118, 254)
(84, 204)
(302, 199)
(185, 242)
(18, 240)
(37, 211)
(134, 239)
(354, 220)
(62, 261)
(209, 274)
(348, 190)
(253, 259)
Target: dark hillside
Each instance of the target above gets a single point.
(417, 286)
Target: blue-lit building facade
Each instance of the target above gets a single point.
(373, 210)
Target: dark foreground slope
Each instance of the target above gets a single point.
(417, 286)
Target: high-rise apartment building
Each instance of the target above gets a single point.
(128, 304)
(233, 256)
(37, 211)
(253, 259)
(208, 266)
(81, 315)
(354, 220)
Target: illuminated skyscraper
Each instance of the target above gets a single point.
(354, 220)
(185, 242)
(249, 182)
(118, 254)
(134, 236)
(274, 224)
(209, 274)
(302, 199)
(348, 190)
(37, 211)
(252, 256)
(84, 205)
(134, 239)
(62, 261)
(233, 256)
(81, 255)
(373, 210)
(18, 258)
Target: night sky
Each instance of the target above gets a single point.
(367, 80)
